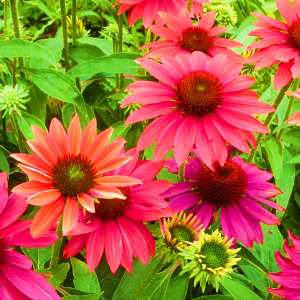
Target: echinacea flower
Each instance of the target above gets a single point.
(237, 188)
(199, 101)
(116, 227)
(66, 171)
(17, 279)
(209, 259)
(280, 43)
(148, 9)
(288, 278)
(295, 118)
(183, 37)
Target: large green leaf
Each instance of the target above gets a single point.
(115, 63)
(177, 287)
(39, 256)
(82, 53)
(4, 166)
(107, 6)
(59, 273)
(105, 45)
(214, 297)
(83, 279)
(21, 48)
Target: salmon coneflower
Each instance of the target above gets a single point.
(116, 227)
(183, 37)
(199, 101)
(17, 279)
(66, 171)
(294, 119)
(280, 43)
(238, 189)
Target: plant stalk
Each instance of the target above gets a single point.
(57, 245)
(65, 33)
(181, 173)
(189, 5)
(5, 18)
(120, 47)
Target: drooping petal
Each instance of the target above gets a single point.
(71, 214)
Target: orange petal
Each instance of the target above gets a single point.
(45, 154)
(58, 132)
(44, 198)
(46, 218)
(36, 174)
(87, 202)
(106, 192)
(118, 180)
(112, 164)
(88, 136)
(98, 143)
(74, 135)
(30, 188)
(71, 213)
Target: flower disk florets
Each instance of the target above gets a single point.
(223, 186)
(209, 259)
(73, 174)
(200, 93)
(294, 34)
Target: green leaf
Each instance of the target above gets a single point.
(177, 287)
(39, 256)
(25, 122)
(82, 53)
(216, 297)
(292, 136)
(238, 291)
(83, 279)
(60, 86)
(21, 48)
(96, 296)
(120, 130)
(115, 63)
(4, 166)
(59, 273)
(107, 6)
(105, 45)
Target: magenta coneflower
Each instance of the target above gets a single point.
(148, 9)
(66, 171)
(183, 37)
(288, 278)
(280, 43)
(17, 279)
(116, 227)
(295, 118)
(199, 101)
(237, 188)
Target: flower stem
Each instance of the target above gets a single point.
(268, 119)
(57, 245)
(65, 33)
(247, 5)
(181, 172)
(5, 18)
(189, 5)
(120, 46)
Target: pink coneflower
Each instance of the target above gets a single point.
(17, 279)
(288, 278)
(197, 101)
(295, 118)
(237, 188)
(148, 9)
(183, 37)
(116, 227)
(280, 43)
(67, 171)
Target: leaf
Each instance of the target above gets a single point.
(238, 291)
(59, 273)
(107, 6)
(25, 122)
(4, 166)
(81, 53)
(105, 45)
(21, 48)
(216, 297)
(83, 279)
(114, 63)
(177, 287)
(39, 256)
(119, 130)
(96, 296)
(292, 136)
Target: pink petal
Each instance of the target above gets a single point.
(75, 245)
(74, 136)
(287, 11)
(147, 171)
(30, 188)
(3, 191)
(88, 136)
(44, 197)
(283, 75)
(184, 201)
(71, 214)
(296, 67)
(87, 202)
(35, 174)
(207, 20)
(118, 180)
(59, 134)
(106, 192)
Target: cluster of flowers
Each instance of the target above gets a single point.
(200, 104)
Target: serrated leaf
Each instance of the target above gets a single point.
(21, 48)
(83, 279)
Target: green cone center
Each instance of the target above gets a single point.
(182, 234)
(294, 34)
(215, 255)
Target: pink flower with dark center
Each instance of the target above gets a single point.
(295, 118)
(288, 278)
(17, 279)
(116, 227)
(148, 9)
(280, 43)
(199, 101)
(183, 37)
(67, 169)
(237, 188)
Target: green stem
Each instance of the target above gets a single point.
(15, 21)
(120, 46)
(57, 245)
(14, 72)
(181, 173)
(268, 119)
(189, 5)
(17, 133)
(247, 5)
(65, 33)
(148, 280)
(5, 18)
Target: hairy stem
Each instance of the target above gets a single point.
(189, 5)
(5, 18)
(181, 172)
(65, 33)
(120, 47)
(57, 245)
